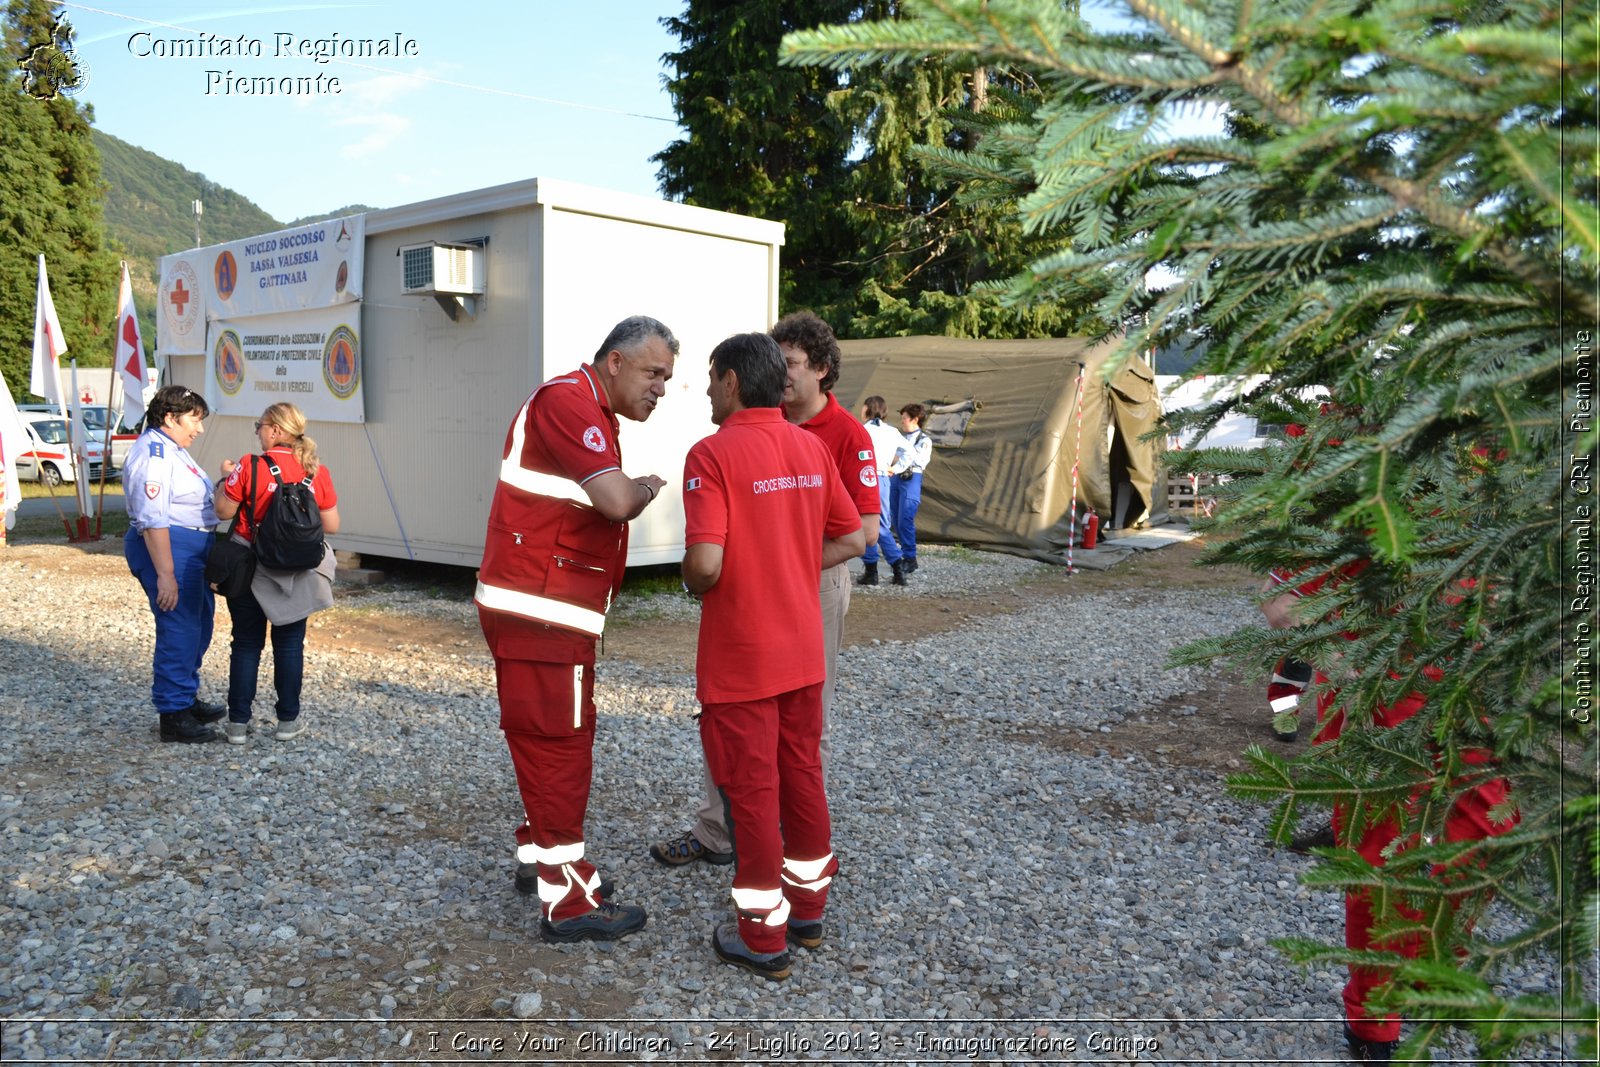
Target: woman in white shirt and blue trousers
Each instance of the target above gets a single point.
(905, 494)
(170, 518)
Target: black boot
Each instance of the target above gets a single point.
(1364, 1051)
(869, 576)
(910, 563)
(181, 726)
(206, 713)
(899, 568)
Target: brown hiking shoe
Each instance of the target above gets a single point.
(730, 948)
(686, 848)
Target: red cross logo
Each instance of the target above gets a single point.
(179, 296)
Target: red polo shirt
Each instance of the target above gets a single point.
(851, 448)
(768, 493)
(263, 485)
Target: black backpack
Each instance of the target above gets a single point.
(289, 535)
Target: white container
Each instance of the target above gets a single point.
(443, 375)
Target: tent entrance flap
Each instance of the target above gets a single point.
(1005, 420)
(947, 424)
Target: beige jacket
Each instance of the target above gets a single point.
(289, 596)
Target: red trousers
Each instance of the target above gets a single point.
(548, 715)
(763, 757)
(1468, 820)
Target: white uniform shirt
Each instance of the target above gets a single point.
(165, 487)
(886, 442)
(918, 453)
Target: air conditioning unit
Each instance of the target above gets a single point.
(450, 273)
(442, 268)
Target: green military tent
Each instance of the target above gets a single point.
(1008, 420)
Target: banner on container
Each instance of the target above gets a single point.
(311, 358)
(314, 266)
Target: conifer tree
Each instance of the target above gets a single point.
(762, 140)
(873, 242)
(1406, 219)
(51, 197)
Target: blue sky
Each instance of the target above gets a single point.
(493, 93)
(485, 93)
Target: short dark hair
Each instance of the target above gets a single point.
(632, 332)
(175, 400)
(757, 360)
(876, 407)
(815, 338)
(916, 411)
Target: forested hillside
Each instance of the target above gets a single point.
(149, 213)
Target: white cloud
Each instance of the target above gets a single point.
(377, 92)
(367, 104)
(383, 129)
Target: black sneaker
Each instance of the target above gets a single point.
(204, 712)
(605, 923)
(730, 948)
(1321, 837)
(685, 849)
(805, 934)
(1364, 1051)
(528, 881)
(181, 726)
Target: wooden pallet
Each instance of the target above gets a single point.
(1193, 493)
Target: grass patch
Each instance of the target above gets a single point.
(963, 554)
(65, 491)
(665, 579)
(48, 528)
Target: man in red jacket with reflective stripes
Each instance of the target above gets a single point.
(553, 560)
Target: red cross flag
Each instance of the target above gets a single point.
(48, 344)
(129, 359)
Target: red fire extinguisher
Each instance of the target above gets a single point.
(1091, 530)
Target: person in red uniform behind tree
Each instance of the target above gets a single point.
(765, 514)
(1373, 1039)
(811, 357)
(553, 560)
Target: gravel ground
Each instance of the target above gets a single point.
(1010, 890)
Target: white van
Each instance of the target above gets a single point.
(122, 436)
(49, 459)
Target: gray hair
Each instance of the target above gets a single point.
(632, 332)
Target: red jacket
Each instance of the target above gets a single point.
(549, 556)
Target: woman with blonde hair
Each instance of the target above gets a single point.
(284, 598)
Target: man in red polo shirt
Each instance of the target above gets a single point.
(765, 512)
(811, 356)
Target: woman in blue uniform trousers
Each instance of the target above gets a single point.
(905, 495)
(170, 517)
